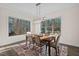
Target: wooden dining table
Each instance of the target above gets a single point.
(48, 39)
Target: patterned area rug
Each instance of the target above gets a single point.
(21, 50)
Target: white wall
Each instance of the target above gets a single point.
(0, 28)
(4, 14)
(69, 25)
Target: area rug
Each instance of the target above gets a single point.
(20, 50)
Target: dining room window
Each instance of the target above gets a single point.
(18, 26)
(51, 25)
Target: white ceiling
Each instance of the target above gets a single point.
(45, 8)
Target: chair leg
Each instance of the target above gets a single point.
(57, 51)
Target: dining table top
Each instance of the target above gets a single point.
(45, 37)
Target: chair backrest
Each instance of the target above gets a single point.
(37, 39)
(29, 39)
(57, 39)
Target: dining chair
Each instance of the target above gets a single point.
(29, 41)
(55, 45)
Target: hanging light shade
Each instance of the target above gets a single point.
(37, 10)
(38, 4)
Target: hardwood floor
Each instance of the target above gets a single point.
(73, 51)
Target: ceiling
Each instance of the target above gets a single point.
(45, 8)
